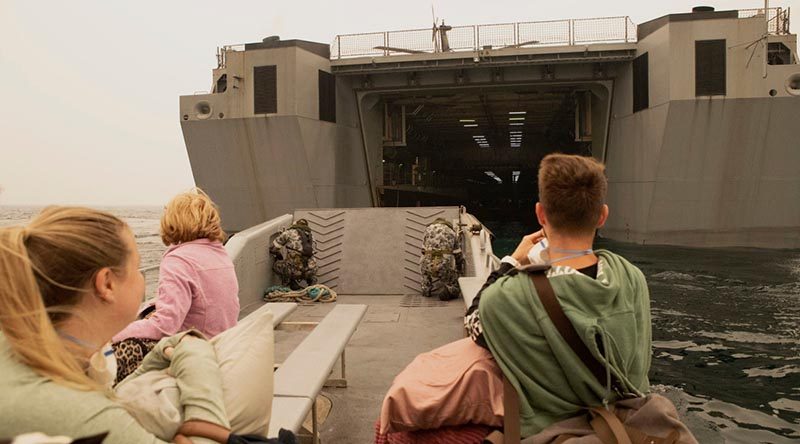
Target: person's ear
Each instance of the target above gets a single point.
(104, 284)
(540, 216)
(603, 216)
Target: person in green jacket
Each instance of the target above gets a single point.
(69, 281)
(603, 295)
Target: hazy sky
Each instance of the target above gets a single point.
(89, 101)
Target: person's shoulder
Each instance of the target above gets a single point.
(513, 283)
(39, 404)
(177, 258)
(621, 264)
(189, 252)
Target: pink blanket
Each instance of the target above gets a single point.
(456, 384)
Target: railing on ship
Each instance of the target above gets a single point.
(522, 34)
(222, 53)
(778, 19)
(476, 37)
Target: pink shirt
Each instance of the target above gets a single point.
(197, 288)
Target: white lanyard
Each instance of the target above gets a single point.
(575, 253)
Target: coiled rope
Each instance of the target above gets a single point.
(307, 296)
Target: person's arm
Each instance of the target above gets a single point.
(472, 320)
(193, 363)
(196, 369)
(122, 428)
(508, 265)
(176, 285)
(160, 357)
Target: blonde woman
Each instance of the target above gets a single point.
(69, 282)
(197, 286)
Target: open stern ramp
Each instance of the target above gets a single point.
(372, 250)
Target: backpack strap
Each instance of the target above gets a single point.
(565, 327)
(609, 428)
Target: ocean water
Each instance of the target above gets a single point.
(726, 332)
(143, 221)
(726, 326)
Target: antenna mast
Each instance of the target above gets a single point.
(766, 37)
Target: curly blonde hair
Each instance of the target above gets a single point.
(190, 216)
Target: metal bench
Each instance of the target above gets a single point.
(470, 286)
(302, 375)
(280, 311)
(288, 413)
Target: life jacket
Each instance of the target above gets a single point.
(442, 222)
(439, 253)
(306, 240)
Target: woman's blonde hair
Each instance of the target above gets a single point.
(190, 216)
(45, 270)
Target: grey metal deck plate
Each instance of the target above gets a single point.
(416, 300)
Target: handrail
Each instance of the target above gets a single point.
(778, 18)
(149, 268)
(617, 29)
(222, 53)
(571, 32)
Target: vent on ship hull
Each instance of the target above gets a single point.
(793, 84)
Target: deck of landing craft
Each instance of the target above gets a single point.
(388, 339)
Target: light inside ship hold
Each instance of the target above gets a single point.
(479, 146)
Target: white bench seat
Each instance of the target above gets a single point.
(280, 311)
(305, 371)
(470, 286)
(302, 375)
(289, 414)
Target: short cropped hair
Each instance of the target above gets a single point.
(190, 216)
(572, 190)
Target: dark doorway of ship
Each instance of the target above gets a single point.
(479, 148)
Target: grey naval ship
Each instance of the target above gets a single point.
(375, 135)
(695, 115)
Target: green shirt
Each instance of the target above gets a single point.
(552, 382)
(30, 402)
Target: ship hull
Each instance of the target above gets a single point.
(713, 172)
(258, 168)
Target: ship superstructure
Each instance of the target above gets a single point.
(694, 114)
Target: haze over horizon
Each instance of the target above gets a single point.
(90, 109)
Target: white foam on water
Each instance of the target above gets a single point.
(790, 405)
(670, 356)
(673, 345)
(779, 372)
(750, 337)
(707, 348)
(713, 421)
(670, 312)
(673, 275)
(688, 287)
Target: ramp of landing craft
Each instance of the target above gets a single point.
(371, 250)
